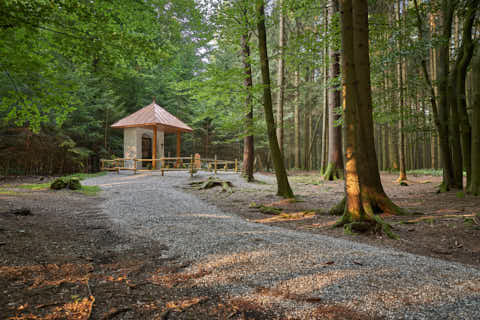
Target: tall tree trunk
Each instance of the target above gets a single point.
(280, 77)
(464, 57)
(283, 186)
(248, 142)
(441, 109)
(364, 191)
(335, 161)
(323, 166)
(307, 123)
(475, 156)
(443, 64)
(296, 117)
(401, 98)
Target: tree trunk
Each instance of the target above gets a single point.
(441, 68)
(248, 142)
(443, 63)
(364, 191)
(307, 123)
(323, 166)
(401, 100)
(296, 124)
(283, 185)
(475, 156)
(280, 77)
(464, 57)
(335, 161)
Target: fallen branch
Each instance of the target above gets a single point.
(91, 298)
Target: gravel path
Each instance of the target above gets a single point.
(300, 270)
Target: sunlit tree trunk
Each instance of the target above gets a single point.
(364, 191)
(283, 186)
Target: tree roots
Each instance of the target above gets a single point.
(212, 182)
(332, 172)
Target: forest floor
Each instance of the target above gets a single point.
(444, 225)
(64, 261)
(148, 249)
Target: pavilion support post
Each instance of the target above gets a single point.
(154, 153)
(179, 141)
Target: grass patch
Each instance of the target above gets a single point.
(35, 186)
(81, 176)
(89, 190)
(425, 172)
(7, 192)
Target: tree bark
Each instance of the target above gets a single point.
(323, 165)
(283, 186)
(440, 107)
(334, 168)
(464, 58)
(280, 77)
(443, 63)
(364, 191)
(248, 142)
(307, 123)
(401, 96)
(475, 156)
(296, 124)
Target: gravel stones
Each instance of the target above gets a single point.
(284, 269)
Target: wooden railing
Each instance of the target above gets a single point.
(163, 164)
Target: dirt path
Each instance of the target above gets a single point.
(295, 272)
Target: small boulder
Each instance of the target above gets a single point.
(58, 184)
(74, 184)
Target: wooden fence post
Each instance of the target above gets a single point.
(191, 165)
(215, 165)
(236, 165)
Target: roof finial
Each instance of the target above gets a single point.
(154, 100)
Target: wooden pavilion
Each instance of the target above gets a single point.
(144, 132)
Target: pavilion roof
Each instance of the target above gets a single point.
(153, 115)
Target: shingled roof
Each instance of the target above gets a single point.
(153, 115)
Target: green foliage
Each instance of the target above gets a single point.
(69, 69)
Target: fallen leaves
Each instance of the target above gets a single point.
(181, 305)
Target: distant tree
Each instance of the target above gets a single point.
(334, 168)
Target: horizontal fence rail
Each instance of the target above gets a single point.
(191, 164)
